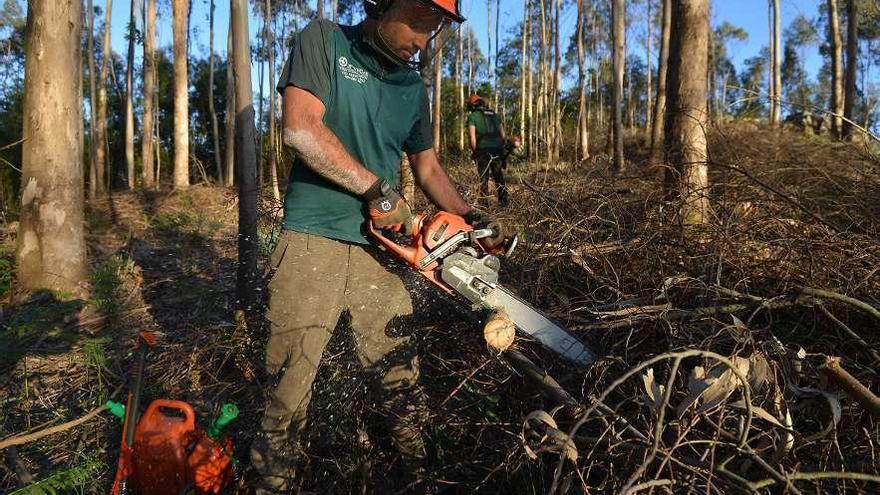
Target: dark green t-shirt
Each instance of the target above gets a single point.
(377, 114)
(488, 127)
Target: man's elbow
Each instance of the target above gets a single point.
(297, 133)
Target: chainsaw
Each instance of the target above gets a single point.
(452, 254)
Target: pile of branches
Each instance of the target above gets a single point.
(740, 355)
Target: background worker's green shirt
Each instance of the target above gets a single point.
(377, 113)
(488, 127)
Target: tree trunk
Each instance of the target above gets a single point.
(524, 69)
(51, 249)
(649, 89)
(497, 46)
(102, 160)
(836, 68)
(662, 68)
(617, 14)
(229, 136)
(149, 90)
(470, 61)
(259, 128)
(157, 148)
(459, 87)
(686, 113)
(489, 68)
(557, 83)
(530, 90)
(320, 8)
(852, 50)
(438, 91)
(542, 124)
(273, 156)
(180, 9)
(775, 64)
(93, 104)
(582, 126)
(215, 132)
(710, 76)
(129, 101)
(246, 158)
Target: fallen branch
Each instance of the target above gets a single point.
(852, 334)
(31, 437)
(851, 385)
(827, 294)
(823, 475)
(550, 388)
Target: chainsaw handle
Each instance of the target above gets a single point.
(407, 253)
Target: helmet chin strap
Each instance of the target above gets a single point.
(380, 44)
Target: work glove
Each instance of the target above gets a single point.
(479, 220)
(387, 208)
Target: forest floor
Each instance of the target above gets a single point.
(599, 252)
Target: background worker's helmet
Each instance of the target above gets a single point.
(449, 8)
(475, 101)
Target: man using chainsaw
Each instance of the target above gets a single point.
(353, 103)
(488, 146)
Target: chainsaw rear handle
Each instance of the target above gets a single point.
(410, 253)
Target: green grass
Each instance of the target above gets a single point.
(78, 479)
(107, 284)
(190, 220)
(7, 269)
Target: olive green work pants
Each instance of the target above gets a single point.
(315, 280)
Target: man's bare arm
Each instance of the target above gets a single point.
(472, 137)
(436, 184)
(305, 132)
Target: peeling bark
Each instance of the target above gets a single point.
(51, 249)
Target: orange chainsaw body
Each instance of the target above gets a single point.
(429, 232)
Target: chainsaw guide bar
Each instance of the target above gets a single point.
(446, 250)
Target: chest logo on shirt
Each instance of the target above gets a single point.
(351, 72)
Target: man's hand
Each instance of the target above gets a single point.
(480, 220)
(388, 209)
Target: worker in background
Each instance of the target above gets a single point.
(487, 142)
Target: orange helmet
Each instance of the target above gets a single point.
(449, 8)
(474, 99)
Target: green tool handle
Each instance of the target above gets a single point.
(228, 413)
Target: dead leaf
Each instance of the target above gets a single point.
(759, 412)
(552, 439)
(713, 387)
(759, 372)
(653, 392)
